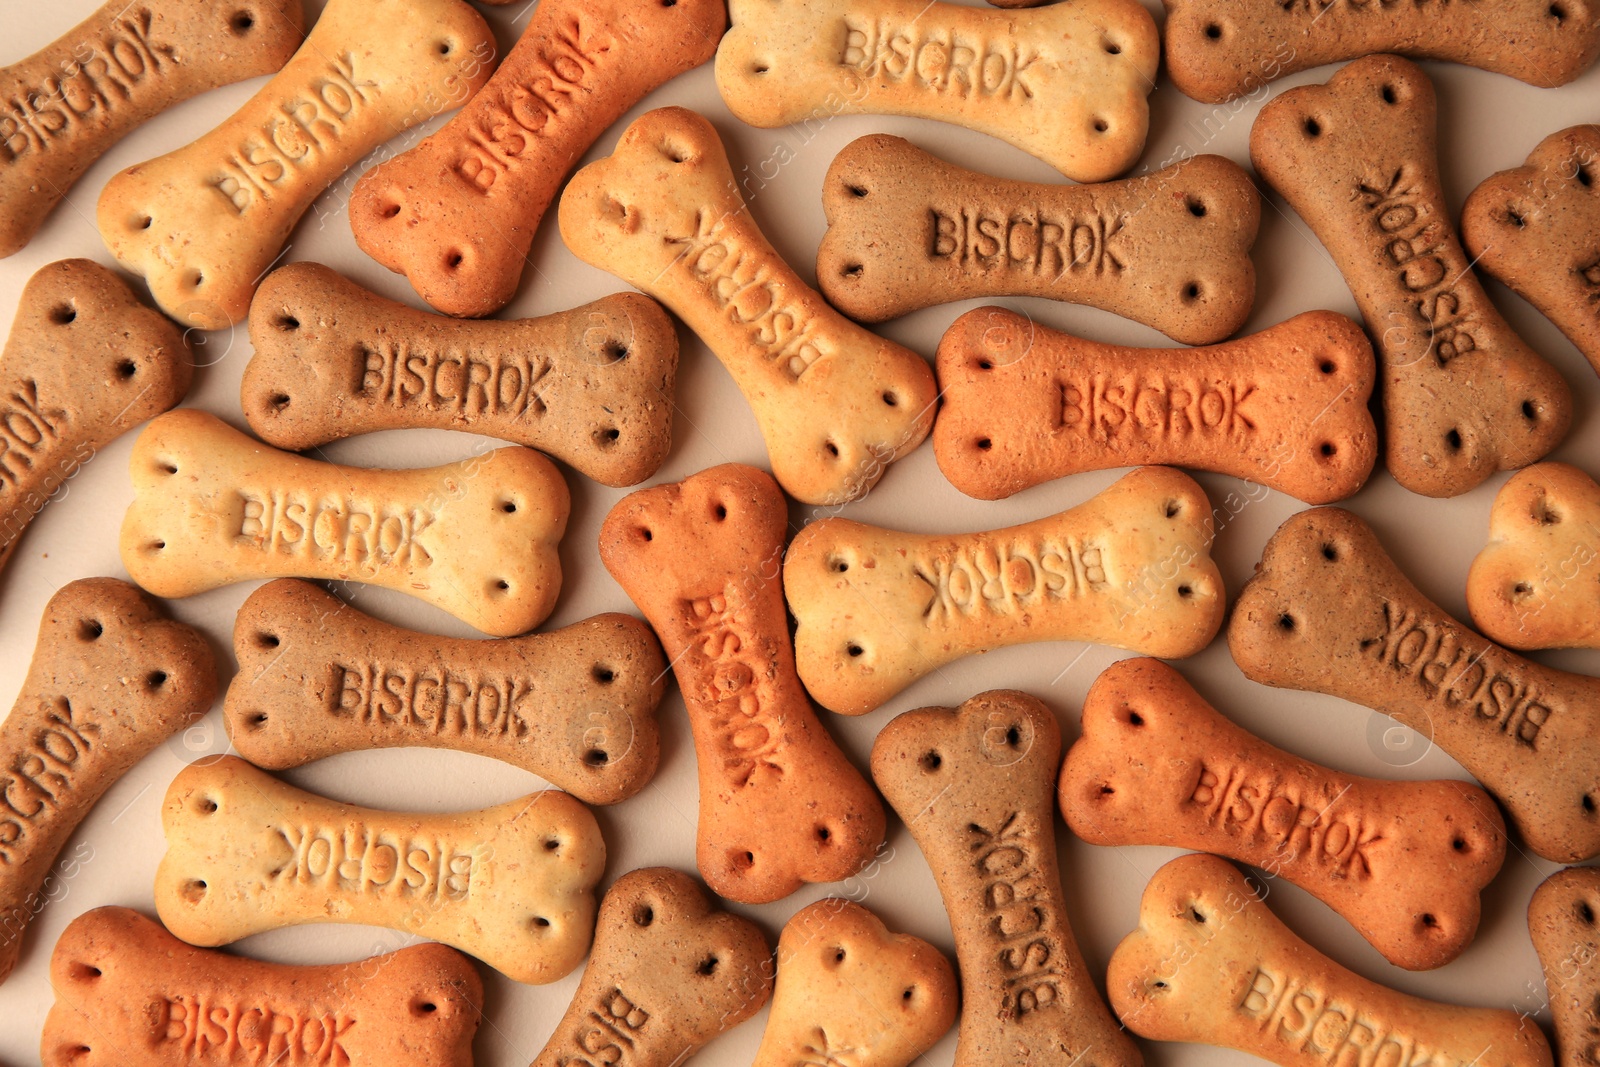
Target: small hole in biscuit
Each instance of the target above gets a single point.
(1214, 31)
(1327, 449)
(1191, 291)
(669, 3)
(1585, 178)
(90, 629)
(644, 915)
(744, 860)
(427, 1007)
(242, 22)
(389, 211)
(278, 401)
(648, 536)
(551, 844)
(1586, 912)
(1522, 590)
(1529, 410)
(1545, 515)
(1453, 439)
(1172, 508)
(824, 834)
(833, 449)
(1286, 621)
(851, 270)
(1013, 737)
(609, 437)
(194, 890)
(63, 315)
(1101, 125)
(854, 650)
(906, 993)
(1134, 718)
(1558, 12)
(143, 222)
(86, 972)
(1459, 844)
(931, 761)
(1330, 553)
(1429, 921)
(258, 720)
(453, 259)
(206, 806)
(1327, 366)
(1106, 791)
(1516, 218)
(1197, 209)
(196, 279)
(596, 757)
(167, 468)
(1185, 591)
(603, 674)
(720, 511)
(838, 955)
(984, 444)
(891, 400)
(541, 922)
(126, 369)
(444, 48)
(760, 68)
(839, 566)
(156, 679)
(157, 546)
(674, 153)
(615, 350)
(857, 191)
(708, 966)
(1389, 95)
(1313, 128)
(501, 584)
(984, 364)
(1197, 915)
(266, 640)
(1588, 803)
(509, 507)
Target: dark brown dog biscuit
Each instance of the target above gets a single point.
(1561, 921)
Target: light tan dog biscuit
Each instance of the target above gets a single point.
(1066, 83)
(457, 214)
(1404, 862)
(68, 103)
(1536, 584)
(907, 230)
(877, 609)
(85, 362)
(129, 994)
(513, 884)
(1463, 396)
(974, 786)
(1328, 611)
(1561, 922)
(592, 386)
(111, 678)
(669, 972)
(851, 991)
(477, 538)
(780, 805)
(205, 223)
(1210, 963)
(1286, 408)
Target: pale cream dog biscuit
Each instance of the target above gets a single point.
(835, 403)
(850, 991)
(1328, 611)
(68, 103)
(592, 386)
(877, 609)
(1210, 963)
(1067, 83)
(1536, 584)
(1171, 249)
(1463, 396)
(576, 706)
(1404, 862)
(1285, 408)
(457, 214)
(780, 805)
(974, 785)
(84, 363)
(111, 678)
(129, 994)
(669, 972)
(203, 224)
(513, 884)
(477, 538)
(1561, 922)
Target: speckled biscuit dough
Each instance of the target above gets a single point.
(1561, 922)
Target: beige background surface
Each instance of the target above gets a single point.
(1487, 123)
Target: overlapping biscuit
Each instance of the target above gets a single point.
(1463, 396)
(477, 538)
(203, 224)
(1286, 407)
(1171, 249)
(69, 102)
(457, 214)
(1328, 611)
(1404, 862)
(592, 386)
(111, 679)
(1210, 963)
(1561, 922)
(576, 706)
(836, 404)
(130, 994)
(973, 785)
(780, 805)
(512, 885)
(877, 609)
(1537, 229)
(1067, 83)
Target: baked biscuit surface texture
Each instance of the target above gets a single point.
(1561, 922)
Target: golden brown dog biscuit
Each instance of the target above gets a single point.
(69, 102)
(592, 386)
(456, 214)
(835, 403)
(85, 362)
(1561, 921)
(877, 609)
(973, 785)
(477, 538)
(1328, 611)
(1066, 83)
(780, 805)
(513, 884)
(205, 223)
(1536, 584)
(130, 994)
(1404, 862)
(1286, 408)
(669, 972)
(1210, 963)
(111, 678)
(1463, 396)
(1171, 249)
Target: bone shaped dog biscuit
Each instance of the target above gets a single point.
(477, 538)
(1561, 923)
(513, 884)
(1463, 396)
(1286, 407)
(835, 403)
(877, 609)
(907, 230)
(1404, 862)
(204, 224)
(1067, 83)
